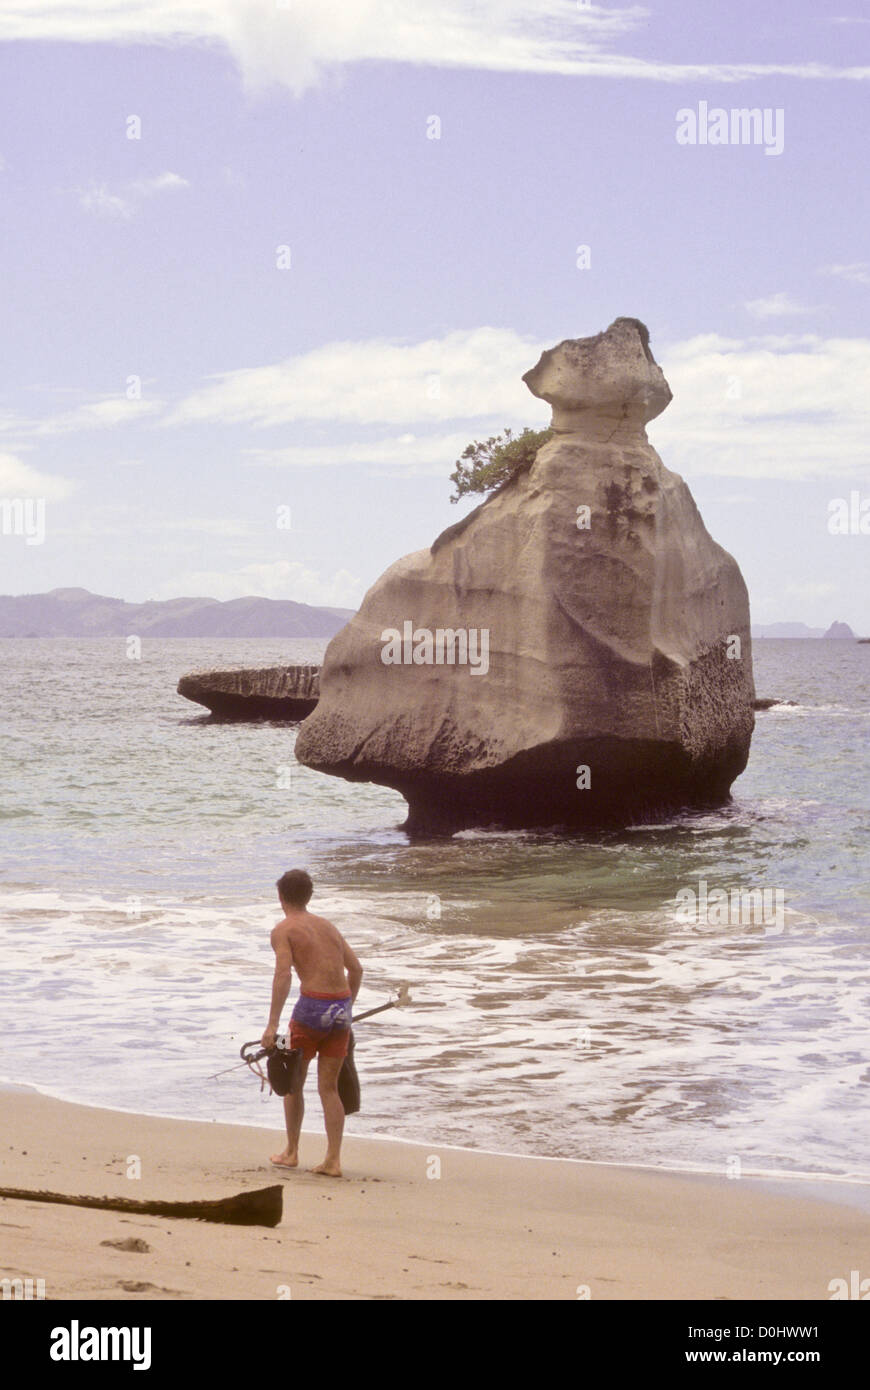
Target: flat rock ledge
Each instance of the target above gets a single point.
(266, 692)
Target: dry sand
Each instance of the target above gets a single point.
(490, 1227)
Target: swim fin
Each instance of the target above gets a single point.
(284, 1067)
(348, 1081)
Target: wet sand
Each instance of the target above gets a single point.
(407, 1221)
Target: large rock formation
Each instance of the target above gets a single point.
(265, 692)
(576, 651)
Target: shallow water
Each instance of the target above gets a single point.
(559, 1006)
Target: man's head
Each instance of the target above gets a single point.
(295, 888)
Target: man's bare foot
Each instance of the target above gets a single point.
(285, 1159)
(329, 1168)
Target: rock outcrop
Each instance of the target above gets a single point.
(268, 692)
(575, 652)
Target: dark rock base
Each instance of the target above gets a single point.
(255, 707)
(629, 782)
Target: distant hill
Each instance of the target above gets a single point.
(78, 613)
(787, 630)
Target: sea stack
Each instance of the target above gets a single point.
(575, 652)
(840, 632)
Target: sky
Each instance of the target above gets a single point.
(269, 265)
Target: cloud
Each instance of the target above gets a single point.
(793, 406)
(200, 525)
(788, 405)
(125, 203)
(467, 374)
(281, 579)
(858, 273)
(775, 306)
(145, 188)
(295, 43)
(771, 406)
(121, 519)
(106, 204)
(817, 589)
(409, 454)
(104, 414)
(18, 479)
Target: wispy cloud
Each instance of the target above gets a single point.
(280, 579)
(18, 479)
(296, 42)
(820, 588)
(409, 454)
(125, 202)
(774, 306)
(793, 406)
(96, 415)
(98, 199)
(203, 525)
(106, 413)
(772, 406)
(467, 374)
(763, 406)
(857, 273)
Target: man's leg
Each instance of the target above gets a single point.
(333, 1114)
(294, 1109)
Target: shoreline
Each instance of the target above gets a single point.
(409, 1220)
(851, 1189)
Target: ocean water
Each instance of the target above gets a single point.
(559, 1007)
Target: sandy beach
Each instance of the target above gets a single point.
(489, 1227)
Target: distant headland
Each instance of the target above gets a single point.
(837, 630)
(79, 613)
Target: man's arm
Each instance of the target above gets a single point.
(280, 982)
(353, 968)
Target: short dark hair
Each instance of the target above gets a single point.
(295, 887)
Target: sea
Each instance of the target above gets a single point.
(564, 1002)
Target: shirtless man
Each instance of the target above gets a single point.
(329, 978)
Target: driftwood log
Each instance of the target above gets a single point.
(262, 1207)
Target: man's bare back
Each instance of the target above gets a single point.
(329, 976)
(318, 952)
